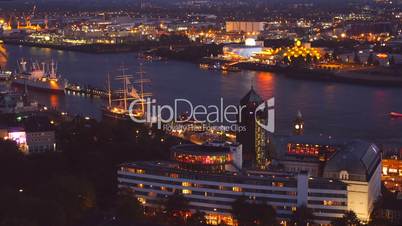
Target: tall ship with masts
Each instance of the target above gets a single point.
(119, 101)
(41, 76)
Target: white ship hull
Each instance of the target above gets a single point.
(49, 86)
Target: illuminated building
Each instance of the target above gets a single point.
(40, 135)
(19, 136)
(254, 137)
(304, 153)
(392, 174)
(213, 191)
(268, 56)
(245, 26)
(242, 52)
(357, 163)
(303, 51)
(211, 158)
(254, 51)
(34, 134)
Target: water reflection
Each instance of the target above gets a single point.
(334, 109)
(54, 101)
(265, 83)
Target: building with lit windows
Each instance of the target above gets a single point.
(253, 137)
(33, 135)
(250, 27)
(392, 174)
(243, 52)
(209, 177)
(357, 163)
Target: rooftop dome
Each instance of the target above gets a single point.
(356, 161)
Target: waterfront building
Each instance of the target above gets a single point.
(302, 51)
(242, 52)
(253, 137)
(392, 174)
(16, 103)
(303, 153)
(357, 163)
(210, 178)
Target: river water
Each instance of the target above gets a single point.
(339, 110)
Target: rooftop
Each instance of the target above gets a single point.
(359, 158)
(200, 149)
(251, 97)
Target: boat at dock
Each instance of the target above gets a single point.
(119, 101)
(395, 114)
(42, 77)
(219, 66)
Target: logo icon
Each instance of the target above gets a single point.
(267, 123)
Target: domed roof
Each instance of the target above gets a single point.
(251, 97)
(359, 159)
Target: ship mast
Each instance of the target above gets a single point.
(141, 81)
(109, 90)
(126, 80)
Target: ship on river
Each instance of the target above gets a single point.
(119, 101)
(40, 76)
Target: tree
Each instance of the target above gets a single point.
(264, 214)
(248, 214)
(356, 58)
(348, 219)
(391, 60)
(197, 219)
(128, 209)
(286, 60)
(177, 209)
(302, 216)
(18, 208)
(75, 195)
(240, 211)
(370, 59)
(308, 59)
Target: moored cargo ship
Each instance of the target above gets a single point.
(40, 77)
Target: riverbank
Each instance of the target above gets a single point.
(197, 52)
(369, 77)
(98, 48)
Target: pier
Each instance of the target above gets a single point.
(86, 90)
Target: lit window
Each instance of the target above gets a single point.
(174, 175)
(142, 201)
(186, 184)
(344, 175)
(163, 188)
(186, 192)
(237, 189)
(140, 185)
(277, 184)
(328, 203)
(140, 171)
